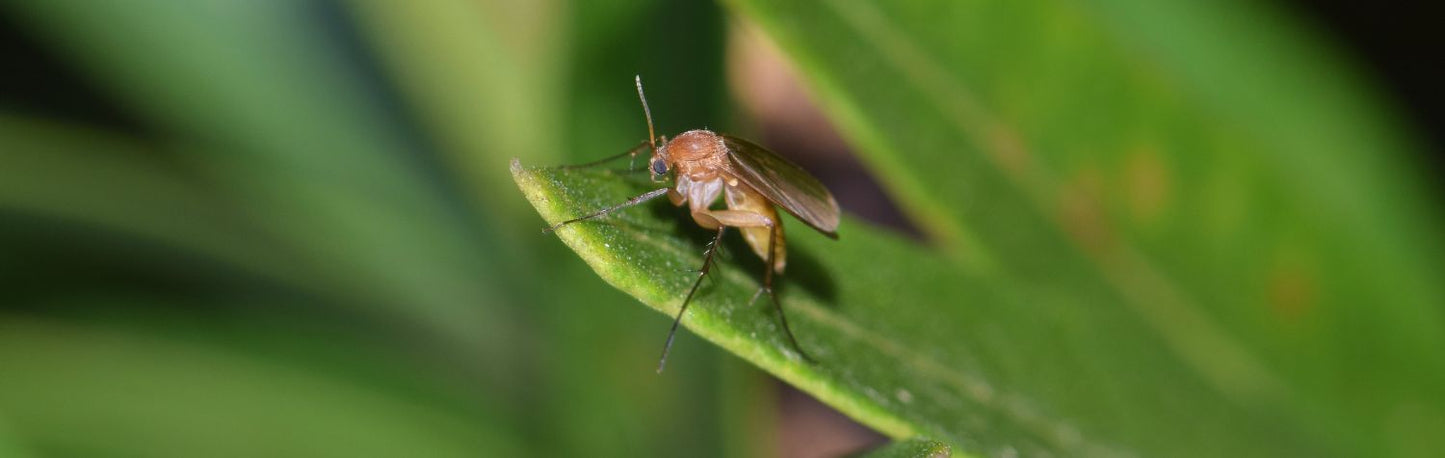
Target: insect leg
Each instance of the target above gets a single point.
(630, 202)
(630, 152)
(768, 287)
(702, 273)
(746, 219)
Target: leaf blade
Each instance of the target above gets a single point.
(869, 365)
(1091, 150)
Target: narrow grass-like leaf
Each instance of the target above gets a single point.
(298, 144)
(507, 57)
(112, 183)
(910, 448)
(64, 379)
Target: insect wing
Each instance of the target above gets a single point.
(785, 184)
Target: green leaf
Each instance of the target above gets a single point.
(505, 54)
(1142, 242)
(87, 389)
(887, 353)
(11, 445)
(1211, 170)
(910, 448)
(298, 144)
(103, 180)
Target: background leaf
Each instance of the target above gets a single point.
(318, 191)
(910, 448)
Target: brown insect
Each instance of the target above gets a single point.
(752, 180)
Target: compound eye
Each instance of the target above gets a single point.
(659, 167)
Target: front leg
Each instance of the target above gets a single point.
(630, 153)
(603, 212)
(701, 273)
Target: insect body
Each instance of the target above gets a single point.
(751, 180)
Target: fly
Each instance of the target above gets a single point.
(752, 181)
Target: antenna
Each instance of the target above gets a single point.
(651, 137)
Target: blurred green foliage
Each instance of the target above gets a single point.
(302, 238)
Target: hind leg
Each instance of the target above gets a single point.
(768, 288)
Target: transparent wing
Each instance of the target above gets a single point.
(785, 184)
